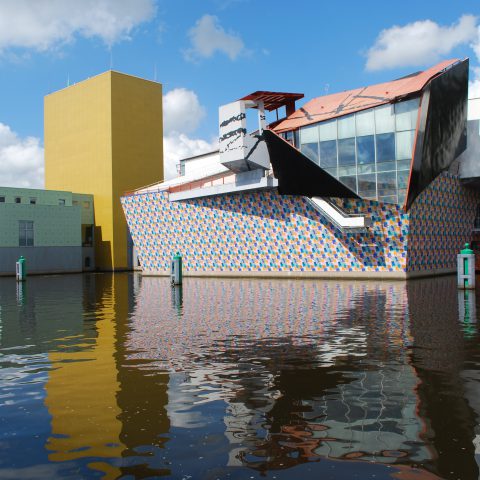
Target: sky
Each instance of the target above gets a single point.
(207, 53)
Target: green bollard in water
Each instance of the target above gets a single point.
(21, 270)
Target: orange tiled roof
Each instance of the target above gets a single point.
(338, 104)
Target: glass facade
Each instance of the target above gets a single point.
(369, 151)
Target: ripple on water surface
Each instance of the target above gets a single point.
(119, 376)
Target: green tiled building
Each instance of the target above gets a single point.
(52, 229)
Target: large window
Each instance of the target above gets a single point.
(369, 151)
(25, 233)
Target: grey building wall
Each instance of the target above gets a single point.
(42, 259)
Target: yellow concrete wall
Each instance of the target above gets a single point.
(137, 147)
(104, 136)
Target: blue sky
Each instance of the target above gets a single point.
(210, 52)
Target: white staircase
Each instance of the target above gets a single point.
(344, 221)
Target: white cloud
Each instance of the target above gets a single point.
(182, 111)
(474, 84)
(419, 43)
(208, 37)
(182, 114)
(44, 24)
(21, 160)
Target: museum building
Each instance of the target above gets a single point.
(379, 181)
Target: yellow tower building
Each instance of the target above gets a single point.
(104, 136)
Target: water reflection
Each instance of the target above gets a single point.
(307, 370)
(121, 376)
(82, 387)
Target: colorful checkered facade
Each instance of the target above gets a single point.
(267, 232)
(441, 222)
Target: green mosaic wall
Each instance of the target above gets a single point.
(85, 202)
(54, 225)
(43, 197)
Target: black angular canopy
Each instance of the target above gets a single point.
(297, 175)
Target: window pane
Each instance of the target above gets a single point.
(288, 136)
(403, 165)
(328, 130)
(332, 171)
(2, 199)
(346, 126)
(385, 166)
(309, 135)
(406, 114)
(296, 139)
(366, 168)
(387, 184)
(366, 149)
(404, 144)
(365, 123)
(310, 150)
(389, 199)
(384, 119)
(385, 147)
(328, 153)
(367, 186)
(350, 182)
(401, 196)
(402, 179)
(346, 151)
(347, 170)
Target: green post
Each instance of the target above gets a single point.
(21, 269)
(177, 269)
(467, 250)
(466, 268)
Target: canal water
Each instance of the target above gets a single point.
(123, 376)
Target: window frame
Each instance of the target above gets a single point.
(24, 227)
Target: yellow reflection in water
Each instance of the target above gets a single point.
(81, 394)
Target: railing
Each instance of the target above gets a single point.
(218, 179)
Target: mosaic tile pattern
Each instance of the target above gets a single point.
(441, 222)
(261, 232)
(266, 232)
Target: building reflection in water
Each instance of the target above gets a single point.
(306, 369)
(267, 375)
(82, 388)
(103, 407)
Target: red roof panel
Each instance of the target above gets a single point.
(343, 103)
